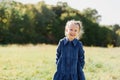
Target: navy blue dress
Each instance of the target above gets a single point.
(70, 60)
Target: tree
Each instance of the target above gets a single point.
(116, 36)
(91, 14)
(44, 19)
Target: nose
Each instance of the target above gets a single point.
(73, 32)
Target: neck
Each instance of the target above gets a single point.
(70, 39)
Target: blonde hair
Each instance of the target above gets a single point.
(79, 23)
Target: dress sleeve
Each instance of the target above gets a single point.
(58, 52)
(81, 56)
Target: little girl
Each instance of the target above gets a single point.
(70, 54)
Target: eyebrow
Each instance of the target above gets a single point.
(77, 24)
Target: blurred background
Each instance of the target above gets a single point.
(24, 22)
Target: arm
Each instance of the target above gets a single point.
(58, 52)
(81, 57)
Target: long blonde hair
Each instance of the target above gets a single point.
(79, 23)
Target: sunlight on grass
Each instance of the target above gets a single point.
(37, 62)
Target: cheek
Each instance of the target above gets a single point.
(69, 31)
(77, 33)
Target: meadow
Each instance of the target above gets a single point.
(37, 62)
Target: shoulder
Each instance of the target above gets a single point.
(80, 44)
(61, 41)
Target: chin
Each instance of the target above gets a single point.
(72, 38)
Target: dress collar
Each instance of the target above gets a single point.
(73, 41)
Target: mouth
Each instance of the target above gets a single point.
(72, 35)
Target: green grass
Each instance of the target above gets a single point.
(37, 62)
(102, 63)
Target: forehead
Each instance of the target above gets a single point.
(75, 26)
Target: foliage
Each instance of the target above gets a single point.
(43, 23)
(91, 14)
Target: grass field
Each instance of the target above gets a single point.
(37, 62)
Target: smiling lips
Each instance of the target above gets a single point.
(72, 35)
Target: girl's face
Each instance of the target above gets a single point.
(72, 31)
